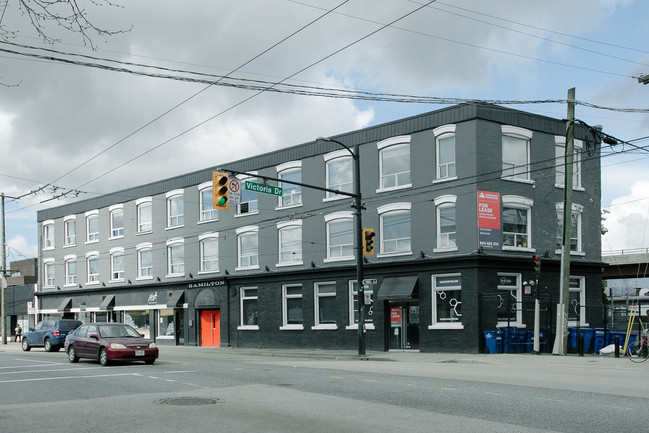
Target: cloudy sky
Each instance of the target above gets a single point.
(70, 127)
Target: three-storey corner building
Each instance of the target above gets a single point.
(460, 200)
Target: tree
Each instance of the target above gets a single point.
(71, 15)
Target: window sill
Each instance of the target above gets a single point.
(117, 280)
(48, 249)
(572, 253)
(404, 253)
(394, 188)
(457, 325)
(248, 328)
(175, 227)
(92, 283)
(445, 250)
(207, 221)
(445, 179)
(112, 238)
(144, 232)
(240, 215)
(215, 271)
(338, 259)
(67, 246)
(143, 278)
(515, 179)
(282, 265)
(325, 327)
(247, 268)
(574, 188)
(174, 275)
(292, 328)
(334, 198)
(524, 249)
(92, 242)
(290, 206)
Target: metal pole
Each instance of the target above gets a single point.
(3, 309)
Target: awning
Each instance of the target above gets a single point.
(397, 287)
(65, 305)
(174, 300)
(108, 303)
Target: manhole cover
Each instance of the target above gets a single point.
(188, 401)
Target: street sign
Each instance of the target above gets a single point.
(235, 191)
(266, 189)
(370, 281)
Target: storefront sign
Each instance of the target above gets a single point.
(488, 220)
(204, 284)
(395, 317)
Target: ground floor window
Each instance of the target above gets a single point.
(292, 307)
(325, 305)
(166, 326)
(577, 302)
(139, 319)
(353, 308)
(510, 311)
(447, 301)
(248, 308)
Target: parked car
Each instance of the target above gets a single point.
(109, 342)
(49, 334)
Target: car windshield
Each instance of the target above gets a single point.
(118, 331)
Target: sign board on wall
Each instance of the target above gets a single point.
(489, 220)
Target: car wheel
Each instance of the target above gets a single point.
(48, 345)
(72, 354)
(25, 345)
(103, 357)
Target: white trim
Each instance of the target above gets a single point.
(288, 166)
(401, 139)
(516, 131)
(337, 154)
(444, 129)
(393, 207)
(445, 199)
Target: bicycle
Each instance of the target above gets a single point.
(638, 351)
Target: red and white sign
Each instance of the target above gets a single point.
(234, 186)
(489, 220)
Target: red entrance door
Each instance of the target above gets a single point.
(211, 328)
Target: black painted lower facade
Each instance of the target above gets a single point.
(440, 305)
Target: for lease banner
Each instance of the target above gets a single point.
(488, 220)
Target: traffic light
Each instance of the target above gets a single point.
(537, 264)
(219, 190)
(368, 241)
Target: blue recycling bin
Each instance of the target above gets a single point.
(572, 339)
(543, 339)
(587, 333)
(600, 339)
(492, 341)
(508, 340)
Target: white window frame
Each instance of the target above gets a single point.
(440, 291)
(394, 209)
(116, 232)
(338, 157)
(581, 290)
(48, 235)
(251, 203)
(70, 278)
(284, 250)
(140, 204)
(317, 296)
(285, 297)
(353, 308)
(441, 133)
(175, 269)
(339, 217)
(92, 237)
(144, 273)
(214, 268)
(386, 146)
(518, 322)
(49, 280)
(560, 166)
(577, 211)
(175, 220)
(519, 175)
(117, 275)
(253, 259)
(294, 191)
(443, 240)
(69, 231)
(92, 278)
(246, 295)
(520, 203)
(209, 213)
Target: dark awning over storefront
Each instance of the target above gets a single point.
(108, 303)
(397, 287)
(65, 305)
(175, 299)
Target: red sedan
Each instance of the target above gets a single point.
(109, 342)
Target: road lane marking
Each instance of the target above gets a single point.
(368, 380)
(336, 377)
(69, 377)
(619, 407)
(449, 389)
(493, 393)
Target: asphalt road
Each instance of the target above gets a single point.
(232, 390)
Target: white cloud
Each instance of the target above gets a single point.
(628, 220)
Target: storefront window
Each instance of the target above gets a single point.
(166, 326)
(139, 319)
(447, 308)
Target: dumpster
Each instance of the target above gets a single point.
(492, 341)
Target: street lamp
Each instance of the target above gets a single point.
(358, 231)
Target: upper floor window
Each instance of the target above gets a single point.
(116, 213)
(70, 263)
(575, 228)
(516, 153)
(291, 193)
(209, 252)
(516, 222)
(394, 163)
(248, 247)
(446, 223)
(339, 173)
(92, 226)
(445, 152)
(560, 172)
(92, 264)
(292, 307)
(395, 229)
(249, 199)
(340, 236)
(69, 230)
(144, 260)
(175, 209)
(49, 272)
(144, 208)
(48, 234)
(175, 257)
(117, 264)
(290, 242)
(206, 198)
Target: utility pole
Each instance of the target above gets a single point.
(3, 310)
(561, 340)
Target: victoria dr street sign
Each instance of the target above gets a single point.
(266, 189)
